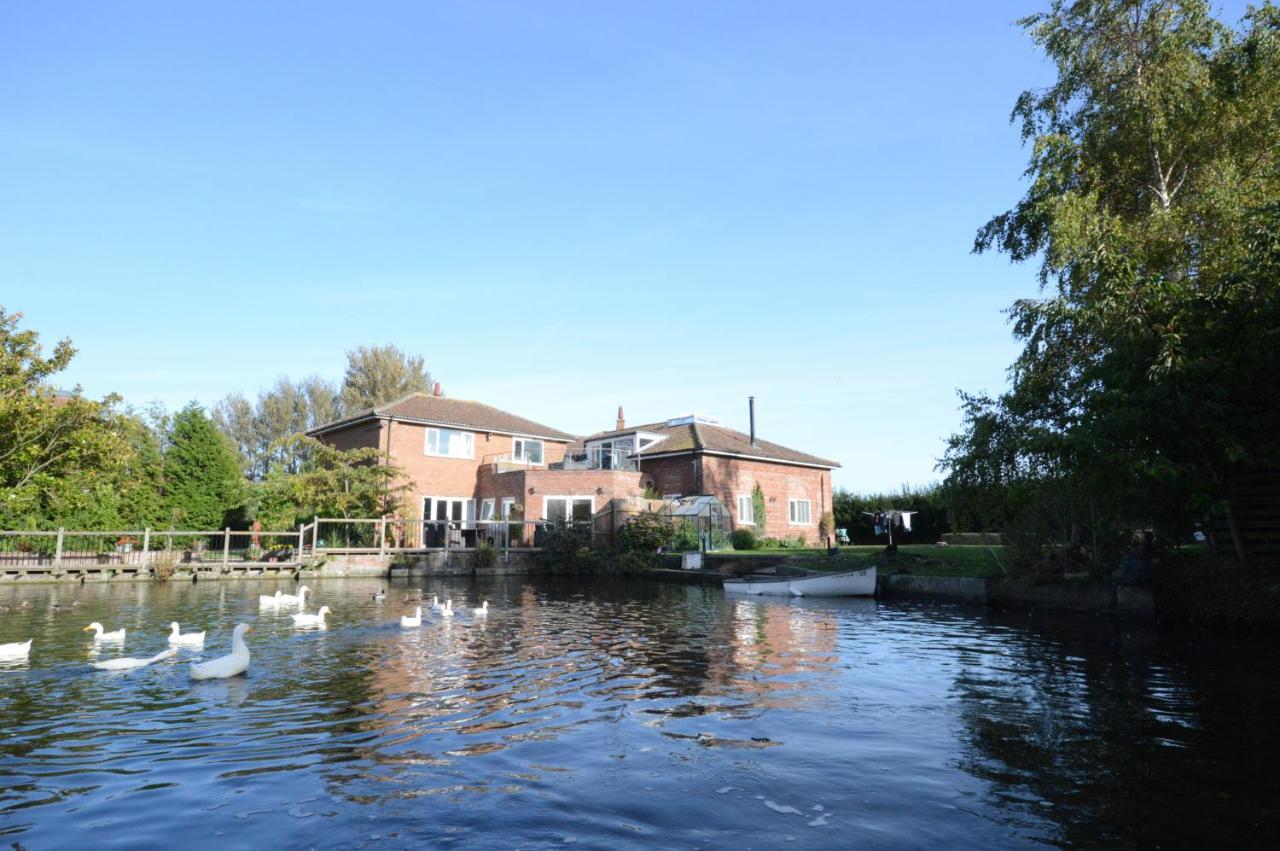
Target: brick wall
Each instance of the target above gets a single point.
(430, 475)
(728, 478)
(516, 485)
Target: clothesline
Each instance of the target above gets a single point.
(886, 520)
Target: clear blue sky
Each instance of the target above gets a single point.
(563, 206)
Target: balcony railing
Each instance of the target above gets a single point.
(599, 459)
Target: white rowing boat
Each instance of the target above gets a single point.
(847, 583)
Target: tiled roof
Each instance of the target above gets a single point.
(695, 436)
(441, 410)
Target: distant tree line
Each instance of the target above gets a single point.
(74, 462)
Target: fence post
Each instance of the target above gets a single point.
(146, 545)
(226, 548)
(302, 540)
(57, 553)
(382, 537)
(315, 534)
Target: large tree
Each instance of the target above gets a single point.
(202, 475)
(376, 375)
(61, 456)
(259, 429)
(1153, 182)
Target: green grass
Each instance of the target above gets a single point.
(918, 559)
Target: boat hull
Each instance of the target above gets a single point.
(850, 583)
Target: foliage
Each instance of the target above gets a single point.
(1146, 377)
(759, 513)
(827, 526)
(929, 524)
(61, 459)
(486, 554)
(651, 492)
(259, 429)
(332, 483)
(685, 537)
(566, 547)
(377, 375)
(796, 543)
(635, 561)
(744, 538)
(645, 533)
(1195, 588)
(202, 478)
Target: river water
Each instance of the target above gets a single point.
(624, 713)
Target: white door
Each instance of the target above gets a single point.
(458, 512)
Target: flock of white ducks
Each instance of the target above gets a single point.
(237, 661)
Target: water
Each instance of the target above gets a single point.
(625, 714)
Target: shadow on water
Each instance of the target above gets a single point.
(624, 713)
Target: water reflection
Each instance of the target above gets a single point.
(620, 714)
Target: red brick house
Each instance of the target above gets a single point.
(697, 454)
(467, 461)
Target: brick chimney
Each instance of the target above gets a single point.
(622, 423)
(435, 390)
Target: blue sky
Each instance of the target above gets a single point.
(563, 206)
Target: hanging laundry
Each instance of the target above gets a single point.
(906, 520)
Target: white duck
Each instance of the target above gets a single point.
(269, 602)
(226, 666)
(447, 611)
(481, 611)
(409, 622)
(129, 663)
(100, 634)
(435, 604)
(300, 600)
(311, 620)
(16, 651)
(190, 639)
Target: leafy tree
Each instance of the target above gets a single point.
(1153, 174)
(202, 475)
(332, 483)
(59, 455)
(379, 374)
(288, 408)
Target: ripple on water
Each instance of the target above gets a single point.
(618, 713)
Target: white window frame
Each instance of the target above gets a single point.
(487, 507)
(746, 510)
(520, 451)
(470, 441)
(570, 498)
(791, 512)
(508, 505)
(468, 510)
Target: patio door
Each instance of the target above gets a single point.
(458, 512)
(567, 509)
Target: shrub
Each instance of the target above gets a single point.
(162, 567)
(635, 561)
(686, 538)
(486, 554)
(645, 533)
(744, 539)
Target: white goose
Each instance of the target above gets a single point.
(435, 604)
(190, 639)
(481, 611)
(16, 651)
(311, 620)
(226, 666)
(269, 602)
(100, 634)
(129, 663)
(447, 611)
(409, 622)
(300, 600)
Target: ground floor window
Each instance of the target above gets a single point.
(566, 509)
(746, 515)
(486, 509)
(800, 512)
(509, 508)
